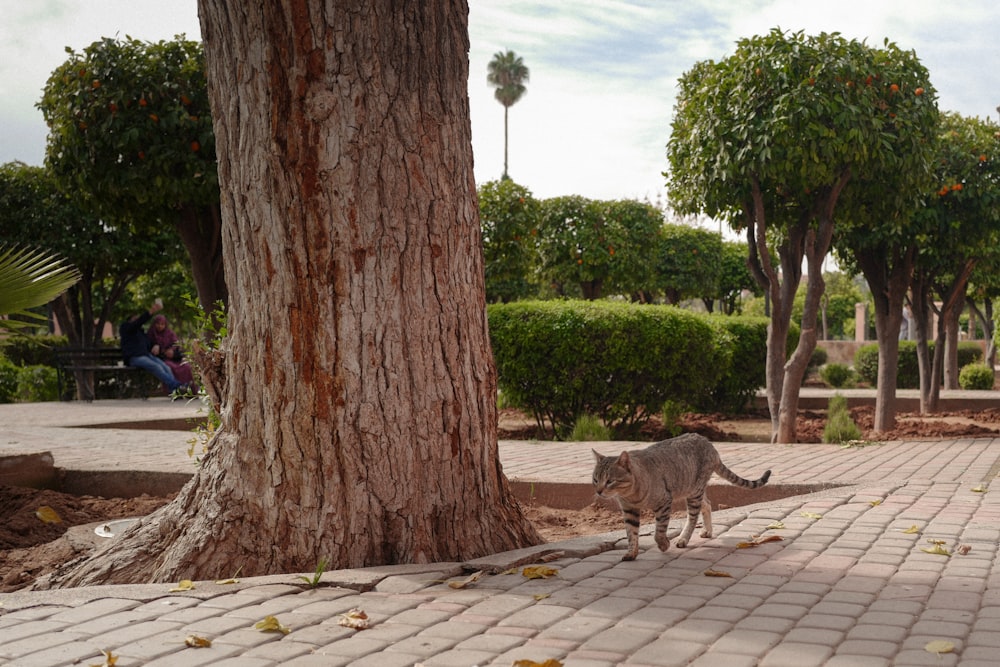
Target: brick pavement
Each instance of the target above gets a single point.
(848, 584)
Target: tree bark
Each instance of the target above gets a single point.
(200, 230)
(359, 400)
(920, 306)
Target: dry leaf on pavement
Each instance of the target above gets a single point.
(355, 618)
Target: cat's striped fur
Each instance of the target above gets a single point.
(652, 477)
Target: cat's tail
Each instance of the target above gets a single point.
(731, 477)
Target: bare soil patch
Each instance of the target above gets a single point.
(30, 547)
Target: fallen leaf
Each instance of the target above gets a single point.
(468, 581)
(110, 659)
(979, 489)
(183, 585)
(934, 541)
(912, 530)
(539, 572)
(876, 502)
(355, 618)
(775, 525)
(963, 549)
(757, 540)
(551, 662)
(937, 550)
(939, 646)
(48, 515)
(194, 641)
(716, 573)
(512, 570)
(541, 596)
(271, 624)
(811, 515)
(224, 582)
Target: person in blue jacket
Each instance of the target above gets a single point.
(136, 350)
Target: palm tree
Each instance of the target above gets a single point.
(508, 74)
(30, 278)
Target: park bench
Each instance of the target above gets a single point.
(103, 363)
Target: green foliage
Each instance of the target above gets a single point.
(131, 127)
(908, 370)
(589, 428)
(508, 74)
(818, 358)
(32, 350)
(671, 413)
(317, 578)
(601, 247)
(36, 384)
(976, 376)
(9, 373)
(744, 340)
(837, 375)
(689, 263)
(30, 278)
(509, 217)
(735, 277)
(620, 362)
(840, 427)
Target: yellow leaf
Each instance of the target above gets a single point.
(48, 515)
(512, 570)
(110, 659)
(539, 572)
(355, 618)
(937, 550)
(775, 525)
(912, 530)
(194, 641)
(716, 573)
(939, 646)
(551, 662)
(979, 489)
(183, 585)
(541, 596)
(933, 541)
(757, 540)
(811, 515)
(271, 624)
(468, 581)
(224, 582)
(876, 502)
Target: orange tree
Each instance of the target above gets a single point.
(508, 215)
(599, 246)
(688, 263)
(768, 139)
(960, 227)
(131, 136)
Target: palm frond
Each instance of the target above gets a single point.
(30, 278)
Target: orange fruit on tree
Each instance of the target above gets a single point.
(894, 88)
(918, 91)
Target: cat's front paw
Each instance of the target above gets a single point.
(627, 557)
(706, 533)
(680, 543)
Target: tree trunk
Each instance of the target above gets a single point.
(920, 307)
(200, 229)
(359, 400)
(888, 279)
(951, 329)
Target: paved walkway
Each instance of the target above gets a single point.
(850, 583)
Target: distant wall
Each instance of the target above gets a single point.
(842, 351)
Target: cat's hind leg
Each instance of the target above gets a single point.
(662, 514)
(706, 515)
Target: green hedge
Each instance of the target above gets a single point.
(559, 360)
(907, 368)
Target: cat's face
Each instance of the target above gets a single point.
(612, 476)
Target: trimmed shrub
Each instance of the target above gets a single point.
(746, 338)
(976, 376)
(620, 362)
(818, 358)
(840, 427)
(36, 384)
(32, 350)
(9, 372)
(908, 371)
(837, 375)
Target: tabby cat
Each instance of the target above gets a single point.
(652, 477)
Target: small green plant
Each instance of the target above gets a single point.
(672, 411)
(837, 375)
(588, 429)
(317, 576)
(37, 383)
(840, 427)
(976, 376)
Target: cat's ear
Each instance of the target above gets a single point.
(597, 455)
(623, 460)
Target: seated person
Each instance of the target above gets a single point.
(164, 344)
(136, 350)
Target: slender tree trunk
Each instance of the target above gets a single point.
(358, 401)
(951, 336)
(920, 307)
(505, 110)
(200, 229)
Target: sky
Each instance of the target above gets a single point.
(595, 120)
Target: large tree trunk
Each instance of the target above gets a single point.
(358, 403)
